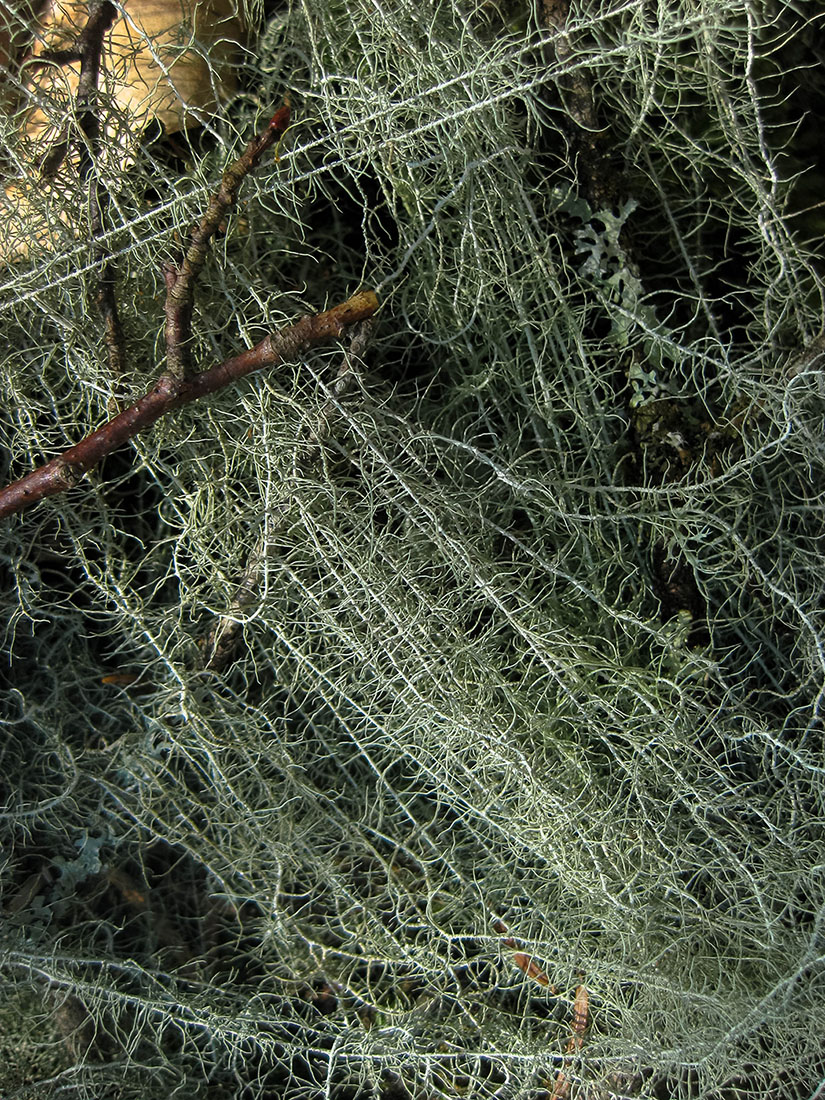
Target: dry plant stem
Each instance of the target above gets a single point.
(581, 1009)
(180, 280)
(597, 176)
(89, 52)
(112, 328)
(170, 393)
(101, 17)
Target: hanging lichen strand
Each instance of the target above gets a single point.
(437, 713)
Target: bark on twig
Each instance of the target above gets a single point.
(170, 393)
(101, 16)
(345, 379)
(597, 176)
(221, 643)
(180, 280)
(178, 385)
(578, 1027)
(88, 54)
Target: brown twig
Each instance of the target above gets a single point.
(581, 1009)
(221, 643)
(344, 381)
(170, 393)
(88, 53)
(180, 279)
(178, 386)
(101, 16)
(597, 175)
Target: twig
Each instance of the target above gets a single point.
(177, 386)
(88, 53)
(101, 16)
(581, 1009)
(221, 643)
(598, 178)
(805, 358)
(180, 280)
(170, 393)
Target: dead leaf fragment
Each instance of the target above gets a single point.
(167, 60)
(164, 61)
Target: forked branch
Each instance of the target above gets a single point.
(178, 385)
(170, 393)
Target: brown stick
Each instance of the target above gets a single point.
(597, 175)
(88, 53)
(101, 16)
(170, 393)
(180, 280)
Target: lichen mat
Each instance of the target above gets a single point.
(438, 715)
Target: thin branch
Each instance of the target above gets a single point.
(220, 645)
(88, 53)
(597, 175)
(178, 386)
(180, 280)
(581, 1009)
(170, 393)
(101, 16)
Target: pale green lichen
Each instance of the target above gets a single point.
(535, 635)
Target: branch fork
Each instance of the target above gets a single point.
(180, 383)
(170, 392)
